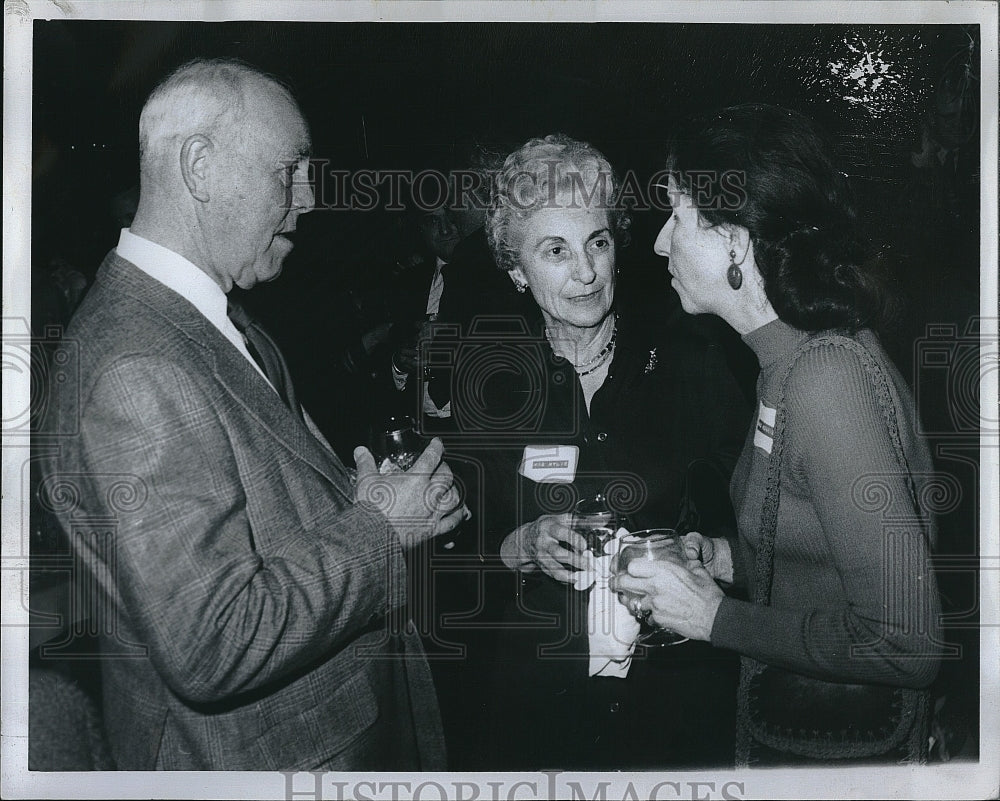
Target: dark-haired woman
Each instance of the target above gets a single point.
(841, 629)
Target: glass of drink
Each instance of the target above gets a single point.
(655, 544)
(596, 522)
(395, 444)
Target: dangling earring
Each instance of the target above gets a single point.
(521, 286)
(734, 275)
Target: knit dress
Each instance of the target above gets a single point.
(854, 597)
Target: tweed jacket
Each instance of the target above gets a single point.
(250, 610)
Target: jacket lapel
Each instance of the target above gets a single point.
(247, 387)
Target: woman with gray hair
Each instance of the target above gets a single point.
(592, 399)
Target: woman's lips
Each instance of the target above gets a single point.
(585, 297)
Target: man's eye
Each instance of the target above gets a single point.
(557, 250)
(601, 244)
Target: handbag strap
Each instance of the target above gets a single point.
(764, 563)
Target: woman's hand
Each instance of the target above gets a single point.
(679, 598)
(713, 552)
(549, 543)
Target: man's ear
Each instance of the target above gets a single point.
(517, 276)
(196, 153)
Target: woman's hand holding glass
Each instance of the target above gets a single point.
(677, 596)
(714, 553)
(552, 544)
(650, 545)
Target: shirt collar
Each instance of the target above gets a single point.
(774, 340)
(176, 273)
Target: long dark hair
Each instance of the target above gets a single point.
(771, 170)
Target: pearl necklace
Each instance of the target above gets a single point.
(589, 366)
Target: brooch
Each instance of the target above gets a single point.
(651, 364)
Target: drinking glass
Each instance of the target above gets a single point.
(596, 522)
(395, 444)
(657, 544)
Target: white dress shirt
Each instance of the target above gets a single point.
(191, 283)
(436, 290)
(433, 305)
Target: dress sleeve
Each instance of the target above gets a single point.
(840, 454)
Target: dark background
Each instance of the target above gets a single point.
(414, 95)
(409, 96)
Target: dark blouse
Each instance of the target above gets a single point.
(669, 401)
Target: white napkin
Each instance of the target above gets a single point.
(612, 629)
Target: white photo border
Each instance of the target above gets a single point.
(941, 781)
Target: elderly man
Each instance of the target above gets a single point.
(250, 597)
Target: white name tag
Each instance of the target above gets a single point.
(763, 436)
(550, 464)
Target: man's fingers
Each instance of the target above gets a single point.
(450, 521)
(364, 461)
(448, 500)
(443, 474)
(429, 459)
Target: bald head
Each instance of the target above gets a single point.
(210, 97)
(224, 160)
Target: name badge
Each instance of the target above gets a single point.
(550, 464)
(763, 436)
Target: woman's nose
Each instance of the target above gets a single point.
(661, 247)
(583, 270)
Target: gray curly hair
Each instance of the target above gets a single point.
(535, 175)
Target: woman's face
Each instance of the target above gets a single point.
(698, 254)
(567, 259)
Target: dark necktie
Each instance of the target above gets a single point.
(266, 353)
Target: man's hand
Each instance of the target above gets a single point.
(404, 360)
(421, 503)
(375, 336)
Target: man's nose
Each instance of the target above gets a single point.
(661, 247)
(303, 195)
